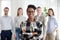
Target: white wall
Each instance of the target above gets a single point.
(5, 3)
(0, 7)
(15, 4)
(58, 13)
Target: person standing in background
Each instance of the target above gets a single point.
(7, 26)
(39, 17)
(52, 25)
(18, 19)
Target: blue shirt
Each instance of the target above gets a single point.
(52, 24)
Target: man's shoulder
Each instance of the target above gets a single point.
(39, 24)
(35, 15)
(1, 17)
(9, 16)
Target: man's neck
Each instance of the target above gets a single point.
(39, 14)
(6, 15)
(20, 15)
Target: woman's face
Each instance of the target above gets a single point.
(20, 12)
(50, 12)
(30, 13)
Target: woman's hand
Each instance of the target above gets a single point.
(24, 30)
(56, 29)
(34, 33)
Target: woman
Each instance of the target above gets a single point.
(18, 19)
(52, 25)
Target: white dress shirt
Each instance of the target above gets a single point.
(6, 23)
(18, 20)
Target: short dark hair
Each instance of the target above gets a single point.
(19, 8)
(31, 6)
(51, 10)
(38, 7)
(6, 8)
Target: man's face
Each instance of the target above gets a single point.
(30, 13)
(6, 11)
(38, 11)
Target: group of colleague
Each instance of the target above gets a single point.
(33, 28)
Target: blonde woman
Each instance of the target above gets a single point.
(18, 19)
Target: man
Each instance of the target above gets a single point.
(39, 17)
(31, 29)
(7, 27)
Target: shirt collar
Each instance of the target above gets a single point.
(29, 21)
(51, 17)
(5, 16)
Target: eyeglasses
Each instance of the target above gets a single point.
(31, 12)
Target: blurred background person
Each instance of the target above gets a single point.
(52, 25)
(7, 26)
(39, 17)
(18, 19)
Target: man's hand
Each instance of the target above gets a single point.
(14, 36)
